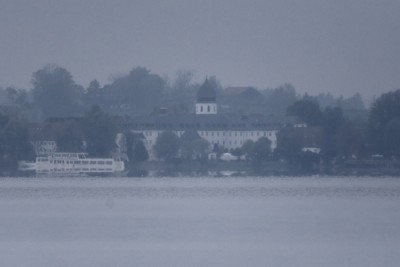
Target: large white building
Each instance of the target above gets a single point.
(223, 130)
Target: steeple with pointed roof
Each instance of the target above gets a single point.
(206, 93)
(206, 103)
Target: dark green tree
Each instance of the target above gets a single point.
(69, 136)
(17, 97)
(93, 94)
(262, 149)
(139, 91)
(385, 110)
(55, 93)
(248, 149)
(100, 131)
(306, 110)
(289, 144)
(139, 152)
(279, 99)
(192, 146)
(332, 120)
(349, 140)
(167, 146)
(14, 143)
(391, 138)
(238, 152)
(180, 94)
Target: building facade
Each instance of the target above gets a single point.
(227, 131)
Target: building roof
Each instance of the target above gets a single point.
(206, 93)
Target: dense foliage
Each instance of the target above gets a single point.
(100, 130)
(55, 94)
(340, 127)
(384, 124)
(167, 146)
(14, 142)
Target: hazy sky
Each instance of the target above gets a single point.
(338, 46)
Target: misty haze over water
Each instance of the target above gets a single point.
(199, 89)
(204, 221)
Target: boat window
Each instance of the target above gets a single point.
(109, 162)
(100, 162)
(85, 162)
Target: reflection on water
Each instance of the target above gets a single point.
(200, 221)
(189, 187)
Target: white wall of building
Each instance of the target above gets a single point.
(206, 108)
(226, 139)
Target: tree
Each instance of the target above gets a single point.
(332, 120)
(391, 138)
(384, 111)
(167, 146)
(17, 97)
(14, 142)
(183, 81)
(248, 149)
(308, 111)
(354, 102)
(238, 152)
(55, 93)
(289, 144)
(140, 152)
(69, 136)
(179, 97)
(93, 94)
(139, 90)
(348, 139)
(279, 99)
(262, 149)
(290, 148)
(100, 130)
(193, 146)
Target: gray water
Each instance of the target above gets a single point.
(203, 221)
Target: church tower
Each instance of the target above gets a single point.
(206, 102)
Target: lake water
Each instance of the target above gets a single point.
(202, 221)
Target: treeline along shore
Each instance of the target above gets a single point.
(320, 134)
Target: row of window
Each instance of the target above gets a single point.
(240, 133)
(223, 133)
(198, 125)
(83, 162)
(79, 169)
(218, 142)
(208, 108)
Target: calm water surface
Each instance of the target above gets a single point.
(202, 221)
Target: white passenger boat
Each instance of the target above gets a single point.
(72, 164)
